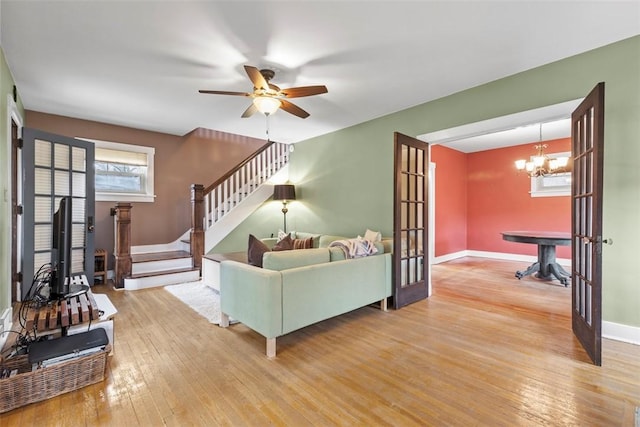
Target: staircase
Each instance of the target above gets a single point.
(217, 210)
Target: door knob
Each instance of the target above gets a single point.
(587, 239)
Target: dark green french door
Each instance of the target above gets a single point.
(55, 166)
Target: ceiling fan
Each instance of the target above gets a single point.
(267, 97)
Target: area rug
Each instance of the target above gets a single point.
(201, 298)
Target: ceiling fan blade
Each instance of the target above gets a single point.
(250, 111)
(258, 80)
(293, 109)
(297, 92)
(224, 92)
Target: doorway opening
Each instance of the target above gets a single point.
(492, 137)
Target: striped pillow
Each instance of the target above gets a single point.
(303, 243)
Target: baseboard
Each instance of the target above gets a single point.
(6, 323)
(620, 332)
(495, 255)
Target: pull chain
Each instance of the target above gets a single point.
(267, 115)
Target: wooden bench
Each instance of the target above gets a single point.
(62, 314)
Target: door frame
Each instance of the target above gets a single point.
(14, 171)
(553, 112)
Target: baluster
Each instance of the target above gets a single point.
(262, 168)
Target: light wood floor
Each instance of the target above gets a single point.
(485, 349)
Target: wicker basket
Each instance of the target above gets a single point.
(33, 386)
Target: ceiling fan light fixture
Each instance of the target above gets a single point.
(266, 104)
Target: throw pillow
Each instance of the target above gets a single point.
(284, 244)
(282, 234)
(256, 249)
(303, 243)
(374, 236)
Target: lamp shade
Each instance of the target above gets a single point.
(284, 192)
(267, 105)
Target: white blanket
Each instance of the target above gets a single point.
(355, 248)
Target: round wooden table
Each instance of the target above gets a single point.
(546, 267)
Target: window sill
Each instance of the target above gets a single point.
(124, 197)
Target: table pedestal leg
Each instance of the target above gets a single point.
(546, 268)
(532, 269)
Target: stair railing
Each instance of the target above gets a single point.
(229, 190)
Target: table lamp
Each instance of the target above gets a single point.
(284, 192)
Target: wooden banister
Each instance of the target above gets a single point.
(210, 204)
(239, 166)
(122, 254)
(197, 229)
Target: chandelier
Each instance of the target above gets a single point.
(541, 164)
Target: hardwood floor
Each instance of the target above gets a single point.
(485, 349)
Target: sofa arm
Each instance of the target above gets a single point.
(253, 296)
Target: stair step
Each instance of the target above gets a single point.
(161, 273)
(159, 256)
(155, 279)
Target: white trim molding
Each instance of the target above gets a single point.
(620, 332)
(565, 262)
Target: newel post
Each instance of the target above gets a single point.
(197, 230)
(122, 211)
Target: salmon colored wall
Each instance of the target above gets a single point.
(497, 199)
(200, 157)
(451, 200)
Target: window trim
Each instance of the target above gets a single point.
(148, 195)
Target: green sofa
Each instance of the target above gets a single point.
(297, 288)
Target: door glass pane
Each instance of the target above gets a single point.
(79, 159)
(42, 209)
(77, 210)
(61, 156)
(79, 189)
(40, 259)
(77, 260)
(42, 153)
(43, 181)
(403, 273)
(403, 216)
(61, 183)
(42, 237)
(77, 235)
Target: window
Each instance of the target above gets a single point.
(556, 184)
(123, 172)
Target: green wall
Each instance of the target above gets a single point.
(6, 89)
(344, 179)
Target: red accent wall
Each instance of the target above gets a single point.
(451, 200)
(497, 199)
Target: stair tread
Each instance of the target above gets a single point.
(159, 256)
(161, 273)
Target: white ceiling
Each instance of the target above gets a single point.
(141, 63)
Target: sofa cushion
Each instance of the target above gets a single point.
(256, 251)
(285, 260)
(337, 254)
(325, 240)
